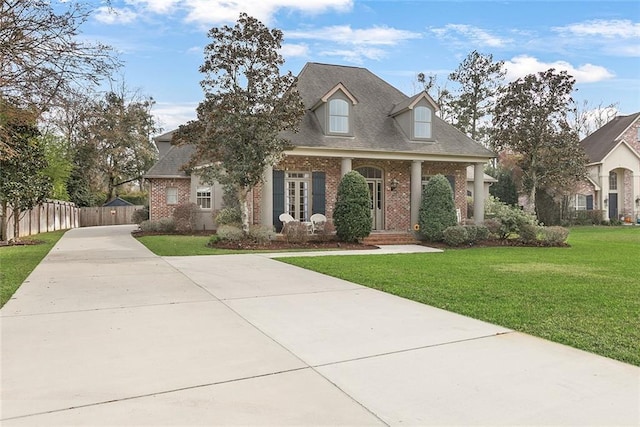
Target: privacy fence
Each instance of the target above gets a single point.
(59, 215)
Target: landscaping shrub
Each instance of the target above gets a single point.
(228, 216)
(437, 209)
(261, 234)
(352, 214)
(166, 225)
(184, 216)
(552, 236)
(455, 235)
(149, 226)
(327, 232)
(140, 215)
(493, 227)
(213, 239)
(511, 218)
(295, 232)
(529, 233)
(230, 233)
(480, 232)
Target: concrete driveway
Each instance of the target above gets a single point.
(103, 332)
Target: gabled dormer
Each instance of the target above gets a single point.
(415, 117)
(335, 111)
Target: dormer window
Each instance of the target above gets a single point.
(338, 116)
(421, 122)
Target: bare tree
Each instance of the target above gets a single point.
(439, 93)
(41, 57)
(587, 118)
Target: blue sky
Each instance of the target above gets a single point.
(598, 42)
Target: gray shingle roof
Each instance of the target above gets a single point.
(374, 129)
(601, 142)
(170, 165)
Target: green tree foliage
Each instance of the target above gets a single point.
(119, 134)
(505, 189)
(248, 103)
(437, 208)
(531, 119)
(59, 165)
(23, 184)
(352, 214)
(479, 78)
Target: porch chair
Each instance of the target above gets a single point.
(285, 218)
(317, 222)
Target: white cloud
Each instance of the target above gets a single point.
(227, 11)
(614, 28)
(156, 6)
(522, 65)
(170, 116)
(290, 50)
(344, 34)
(475, 35)
(356, 55)
(111, 16)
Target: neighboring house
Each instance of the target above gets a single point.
(613, 184)
(488, 181)
(117, 201)
(354, 121)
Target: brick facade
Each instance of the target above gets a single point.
(158, 195)
(396, 203)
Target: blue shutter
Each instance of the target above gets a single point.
(318, 192)
(452, 183)
(590, 202)
(278, 198)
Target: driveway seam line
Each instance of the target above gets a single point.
(158, 393)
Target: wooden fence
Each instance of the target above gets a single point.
(50, 216)
(107, 215)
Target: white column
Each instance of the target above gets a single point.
(266, 204)
(604, 194)
(478, 193)
(636, 196)
(345, 166)
(416, 190)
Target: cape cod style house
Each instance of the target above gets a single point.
(613, 184)
(353, 121)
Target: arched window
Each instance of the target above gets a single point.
(421, 122)
(613, 181)
(338, 116)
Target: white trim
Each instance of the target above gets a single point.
(382, 154)
(635, 153)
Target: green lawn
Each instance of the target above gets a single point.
(17, 262)
(586, 296)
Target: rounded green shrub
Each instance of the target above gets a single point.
(552, 236)
(437, 209)
(230, 233)
(352, 214)
(528, 233)
(455, 235)
(140, 215)
(228, 216)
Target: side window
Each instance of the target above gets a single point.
(338, 116)
(172, 196)
(203, 197)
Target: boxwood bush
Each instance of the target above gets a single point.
(352, 214)
(437, 209)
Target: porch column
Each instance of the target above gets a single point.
(636, 196)
(604, 194)
(416, 190)
(345, 166)
(266, 204)
(478, 193)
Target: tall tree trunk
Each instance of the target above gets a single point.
(16, 224)
(243, 194)
(4, 222)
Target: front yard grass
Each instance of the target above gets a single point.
(17, 262)
(586, 296)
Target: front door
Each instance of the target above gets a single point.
(375, 193)
(375, 184)
(613, 205)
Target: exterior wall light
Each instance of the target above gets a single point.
(393, 184)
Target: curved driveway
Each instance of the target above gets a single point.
(103, 332)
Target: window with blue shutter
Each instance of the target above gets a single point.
(278, 198)
(318, 192)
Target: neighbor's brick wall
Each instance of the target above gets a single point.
(158, 196)
(397, 203)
